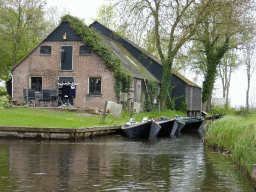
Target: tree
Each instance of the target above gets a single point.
(22, 27)
(52, 17)
(227, 66)
(225, 28)
(107, 15)
(174, 22)
(250, 67)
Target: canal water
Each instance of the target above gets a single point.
(117, 163)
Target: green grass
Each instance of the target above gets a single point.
(32, 117)
(237, 136)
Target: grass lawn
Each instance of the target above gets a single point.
(32, 117)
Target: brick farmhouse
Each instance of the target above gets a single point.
(64, 57)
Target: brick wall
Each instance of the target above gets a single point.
(48, 67)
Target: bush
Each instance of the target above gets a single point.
(3, 93)
(223, 110)
(183, 107)
(170, 104)
(4, 102)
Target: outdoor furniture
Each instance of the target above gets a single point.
(24, 95)
(31, 97)
(39, 96)
(46, 96)
(53, 95)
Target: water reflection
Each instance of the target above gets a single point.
(117, 163)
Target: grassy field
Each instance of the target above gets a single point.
(235, 135)
(32, 117)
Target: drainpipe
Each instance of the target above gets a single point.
(12, 83)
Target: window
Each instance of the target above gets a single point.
(84, 50)
(94, 85)
(45, 50)
(36, 83)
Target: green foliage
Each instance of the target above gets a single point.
(166, 80)
(22, 28)
(183, 107)
(3, 93)
(4, 102)
(223, 110)
(151, 93)
(90, 37)
(235, 135)
(170, 103)
(107, 15)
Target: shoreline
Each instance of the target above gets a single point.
(235, 136)
(57, 133)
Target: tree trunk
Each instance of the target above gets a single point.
(227, 101)
(247, 97)
(166, 81)
(248, 86)
(204, 106)
(209, 104)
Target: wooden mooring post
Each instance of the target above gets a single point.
(105, 111)
(254, 171)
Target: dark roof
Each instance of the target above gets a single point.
(151, 62)
(128, 61)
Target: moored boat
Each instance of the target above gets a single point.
(146, 130)
(188, 124)
(168, 127)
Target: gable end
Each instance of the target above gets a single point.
(60, 31)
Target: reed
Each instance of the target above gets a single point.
(235, 135)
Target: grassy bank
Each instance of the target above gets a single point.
(33, 117)
(235, 135)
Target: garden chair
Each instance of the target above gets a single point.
(31, 97)
(53, 95)
(46, 96)
(24, 94)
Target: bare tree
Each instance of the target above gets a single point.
(228, 65)
(250, 68)
(107, 15)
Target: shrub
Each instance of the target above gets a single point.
(3, 93)
(170, 103)
(223, 110)
(4, 102)
(183, 107)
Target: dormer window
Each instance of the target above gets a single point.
(85, 50)
(45, 50)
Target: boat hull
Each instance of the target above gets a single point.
(148, 130)
(190, 124)
(167, 127)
